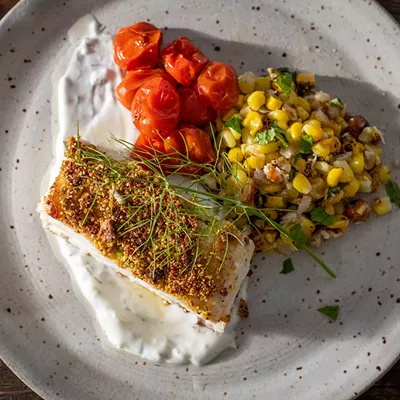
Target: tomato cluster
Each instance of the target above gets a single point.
(170, 104)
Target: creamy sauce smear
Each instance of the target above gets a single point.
(130, 317)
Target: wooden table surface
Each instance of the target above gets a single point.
(388, 388)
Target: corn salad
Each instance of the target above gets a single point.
(297, 155)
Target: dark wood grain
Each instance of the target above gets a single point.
(388, 388)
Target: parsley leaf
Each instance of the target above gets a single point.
(330, 311)
(287, 266)
(234, 123)
(333, 191)
(296, 158)
(393, 191)
(338, 103)
(322, 217)
(284, 80)
(300, 239)
(274, 132)
(292, 174)
(306, 143)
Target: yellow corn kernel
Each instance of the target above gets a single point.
(351, 189)
(268, 148)
(253, 122)
(279, 115)
(270, 237)
(314, 121)
(304, 103)
(333, 176)
(256, 100)
(313, 130)
(246, 166)
(219, 124)
(339, 208)
(341, 222)
(247, 82)
(300, 165)
(365, 181)
(269, 157)
(358, 148)
(318, 188)
(290, 194)
(335, 199)
(382, 205)
(307, 226)
(271, 213)
(341, 121)
(273, 103)
(383, 172)
(369, 134)
(306, 80)
(282, 124)
(274, 202)
(322, 167)
(229, 114)
(329, 209)
(245, 110)
(296, 131)
(246, 137)
(302, 184)
(240, 101)
(302, 113)
(375, 149)
(357, 163)
(321, 150)
(257, 161)
(347, 174)
(337, 129)
(292, 99)
(227, 138)
(235, 155)
(263, 83)
(272, 188)
(328, 132)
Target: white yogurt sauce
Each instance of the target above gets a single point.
(132, 318)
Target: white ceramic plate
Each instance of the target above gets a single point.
(287, 350)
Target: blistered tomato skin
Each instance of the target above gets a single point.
(133, 80)
(217, 87)
(137, 46)
(183, 61)
(156, 108)
(193, 110)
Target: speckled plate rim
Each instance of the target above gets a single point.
(23, 372)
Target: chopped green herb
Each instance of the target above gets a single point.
(287, 266)
(322, 217)
(333, 191)
(292, 174)
(296, 158)
(300, 239)
(330, 311)
(338, 103)
(393, 191)
(306, 143)
(274, 132)
(284, 80)
(234, 123)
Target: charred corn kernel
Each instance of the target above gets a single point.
(321, 150)
(335, 145)
(253, 122)
(235, 155)
(341, 222)
(302, 113)
(339, 208)
(351, 188)
(273, 103)
(296, 131)
(302, 184)
(306, 79)
(256, 100)
(290, 194)
(334, 199)
(245, 110)
(270, 237)
(257, 161)
(337, 129)
(219, 124)
(274, 202)
(313, 130)
(229, 114)
(383, 172)
(369, 134)
(246, 137)
(300, 165)
(342, 122)
(263, 83)
(240, 101)
(318, 188)
(246, 166)
(322, 167)
(271, 214)
(358, 148)
(357, 163)
(271, 156)
(304, 103)
(329, 209)
(328, 132)
(378, 151)
(279, 115)
(227, 138)
(247, 82)
(307, 226)
(272, 188)
(382, 205)
(347, 174)
(333, 176)
(365, 181)
(268, 148)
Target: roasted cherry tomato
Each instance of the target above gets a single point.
(183, 61)
(198, 147)
(217, 87)
(156, 108)
(193, 110)
(137, 46)
(133, 80)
